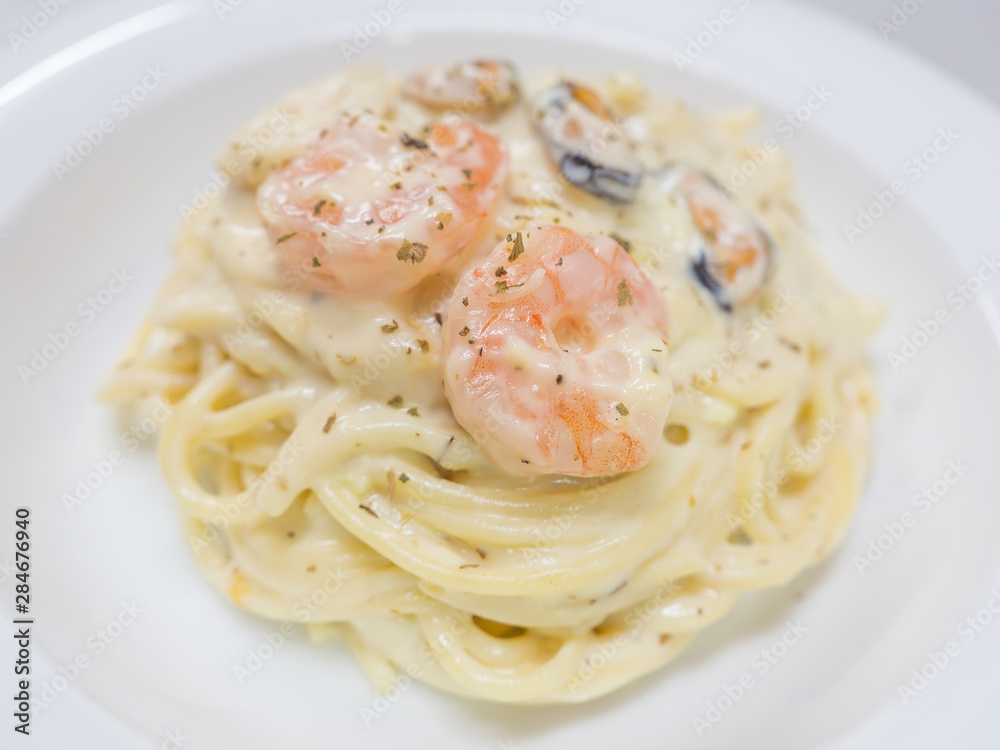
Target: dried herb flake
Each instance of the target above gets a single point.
(414, 252)
(624, 294)
(412, 142)
(626, 245)
(502, 286)
(515, 253)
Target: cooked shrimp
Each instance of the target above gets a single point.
(479, 85)
(369, 209)
(555, 356)
(732, 254)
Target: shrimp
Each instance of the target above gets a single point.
(371, 210)
(555, 356)
(731, 256)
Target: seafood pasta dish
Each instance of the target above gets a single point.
(508, 384)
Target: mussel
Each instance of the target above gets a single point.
(731, 254)
(488, 86)
(586, 141)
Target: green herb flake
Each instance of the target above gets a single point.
(502, 286)
(424, 346)
(413, 411)
(464, 331)
(465, 301)
(412, 142)
(500, 271)
(329, 423)
(515, 253)
(396, 402)
(626, 245)
(369, 222)
(319, 207)
(467, 173)
(284, 237)
(316, 263)
(621, 409)
(624, 294)
(414, 252)
(404, 477)
(390, 327)
(443, 219)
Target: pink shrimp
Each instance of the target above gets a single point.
(369, 209)
(555, 356)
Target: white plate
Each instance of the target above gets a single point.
(172, 669)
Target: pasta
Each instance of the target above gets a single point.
(323, 476)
